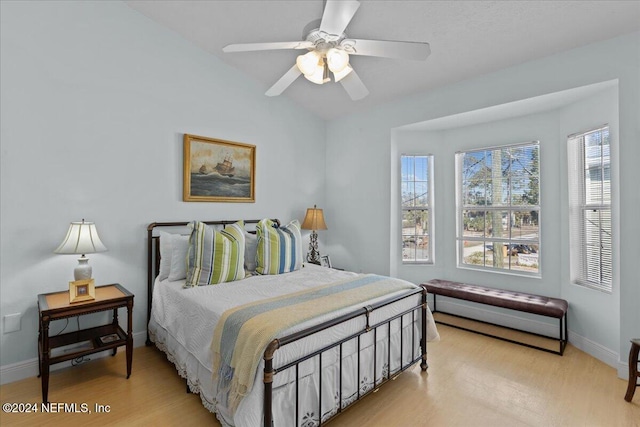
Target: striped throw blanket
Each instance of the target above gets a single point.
(243, 332)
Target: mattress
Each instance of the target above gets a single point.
(183, 320)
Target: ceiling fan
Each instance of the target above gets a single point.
(329, 49)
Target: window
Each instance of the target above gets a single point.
(498, 215)
(417, 208)
(590, 209)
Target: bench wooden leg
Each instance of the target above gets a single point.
(563, 333)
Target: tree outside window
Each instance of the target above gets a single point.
(498, 208)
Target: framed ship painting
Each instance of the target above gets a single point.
(218, 171)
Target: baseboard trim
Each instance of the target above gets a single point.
(29, 368)
(592, 348)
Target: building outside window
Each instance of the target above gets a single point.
(417, 208)
(498, 208)
(590, 209)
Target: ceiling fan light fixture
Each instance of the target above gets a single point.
(325, 71)
(319, 76)
(337, 59)
(329, 50)
(337, 76)
(309, 62)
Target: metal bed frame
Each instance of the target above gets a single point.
(270, 370)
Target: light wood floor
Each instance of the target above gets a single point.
(472, 381)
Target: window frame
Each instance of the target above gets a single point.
(429, 208)
(511, 210)
(582, 268)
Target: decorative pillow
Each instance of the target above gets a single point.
(279, 248)
(250, 251)
(179, 248)
(173, 267)
(215, 256)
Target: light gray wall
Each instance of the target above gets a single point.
(536, 127)
(95, 100)
(359, 171)
(604, 329)
(581, 110)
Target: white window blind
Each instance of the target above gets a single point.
(417, 208)
(498, 208)
(590, 209)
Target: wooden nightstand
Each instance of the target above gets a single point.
(56, 305)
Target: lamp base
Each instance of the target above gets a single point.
(313, 256)
(83, 270)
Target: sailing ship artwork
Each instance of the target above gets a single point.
(218, 171)
(225, 168)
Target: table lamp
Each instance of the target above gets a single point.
(314, 220)
(82, 238)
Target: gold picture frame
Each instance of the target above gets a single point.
(215, 170)
(82, 290)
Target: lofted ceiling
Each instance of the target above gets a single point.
(467, 38)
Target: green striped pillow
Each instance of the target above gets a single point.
(279, 248)
(215, 256)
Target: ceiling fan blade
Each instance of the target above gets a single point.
(337, 15)
(284, 82)
(354, 86)
(387, 49)
(247, 47)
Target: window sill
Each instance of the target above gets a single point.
(505, 272)
(417, 263)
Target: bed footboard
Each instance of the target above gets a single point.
(270, 371)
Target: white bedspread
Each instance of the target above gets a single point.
(183, 320)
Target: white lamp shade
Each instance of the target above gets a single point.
(337, 59)
(309, 63)
(82, 238)
(317, 76)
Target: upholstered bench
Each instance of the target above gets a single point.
(519, 301)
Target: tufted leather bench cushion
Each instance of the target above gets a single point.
(536, 304)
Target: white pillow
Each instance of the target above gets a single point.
(165, 255)
(250, 251)
(179, 249)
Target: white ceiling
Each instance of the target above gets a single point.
(467, 38)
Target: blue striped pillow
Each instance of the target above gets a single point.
(279, 248)
(215, 256)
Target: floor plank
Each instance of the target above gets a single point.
(472, 381)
